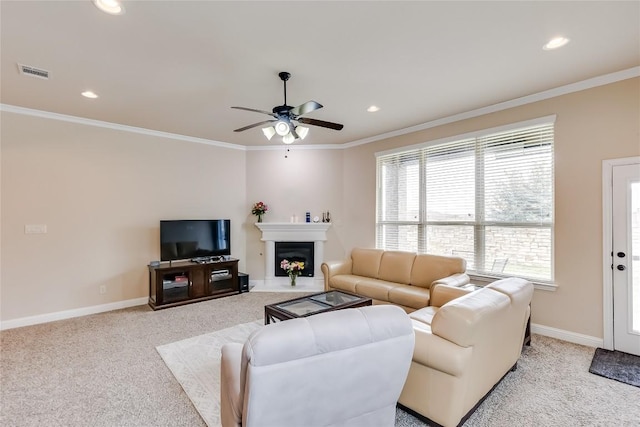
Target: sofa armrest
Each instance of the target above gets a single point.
(442, 294)
(231, 390)
(333, 268)
(438, 353)
(458, 279)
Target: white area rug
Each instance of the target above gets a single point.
(195, 362)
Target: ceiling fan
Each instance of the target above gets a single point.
(285, 116)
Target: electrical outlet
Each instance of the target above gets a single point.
(103, 289)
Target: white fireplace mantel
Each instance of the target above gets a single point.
(293, 231)
(272, 232)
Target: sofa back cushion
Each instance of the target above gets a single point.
(287, 380)
(470, 318)
(366, 262)
(428, 268)
(395, 266)
(519, 290)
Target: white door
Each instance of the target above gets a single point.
(626, 258)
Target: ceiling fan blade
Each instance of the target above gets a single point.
(305, 108)
(255, 125)
(321, 123)
(255, 111)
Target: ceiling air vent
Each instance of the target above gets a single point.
(33, 71)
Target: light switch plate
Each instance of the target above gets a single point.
(35, 229)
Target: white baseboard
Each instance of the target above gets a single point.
(568, 336)
(68, 314)
(282, 284)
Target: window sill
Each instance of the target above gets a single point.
(485, 280)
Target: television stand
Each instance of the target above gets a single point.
(184, 282)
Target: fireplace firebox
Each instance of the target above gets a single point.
(294, 251)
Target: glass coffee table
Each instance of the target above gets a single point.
(313, 304)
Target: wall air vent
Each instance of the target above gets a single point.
(33, 71)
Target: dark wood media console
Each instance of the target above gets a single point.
(185, 282)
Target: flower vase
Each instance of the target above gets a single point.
(293, 279)
(259, 218)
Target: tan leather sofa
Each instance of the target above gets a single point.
(466, 342)
(396, 277)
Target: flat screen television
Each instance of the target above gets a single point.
(184, 239)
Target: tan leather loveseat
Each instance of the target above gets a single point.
(396, 277)
(464, 346)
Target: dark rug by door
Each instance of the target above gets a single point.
(616, 365)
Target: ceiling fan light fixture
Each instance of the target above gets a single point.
(288, 138)
(302, 131)
(287, 117)
(269, 132)
(282, 128)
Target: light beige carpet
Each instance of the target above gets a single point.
(104, 370)
(551, 387)
(195, 362)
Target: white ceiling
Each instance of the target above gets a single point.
(178, 66)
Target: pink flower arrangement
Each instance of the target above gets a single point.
(259, 208)
(293, 268)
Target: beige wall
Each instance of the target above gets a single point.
(591, 125)
(305, 180)
(101, 193)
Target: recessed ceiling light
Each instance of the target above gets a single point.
(112, 7)
(89, 94)
(373, 109)
(555, 43)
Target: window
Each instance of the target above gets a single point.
(486, 197)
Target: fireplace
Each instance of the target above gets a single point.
(311, 233)
(294, 251)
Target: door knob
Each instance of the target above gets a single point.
(621, 267)
(621, 254)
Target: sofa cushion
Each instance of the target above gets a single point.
(424, 315)
(345, 282)
(459, 320)
(409, 296)
(374, 288)
(395, 266)
(366, 262)
(428, 268)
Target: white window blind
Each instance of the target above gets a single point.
(488, 199)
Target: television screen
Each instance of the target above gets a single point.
(184, 239)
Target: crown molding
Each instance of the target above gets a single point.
(517, 102)
(115, 126)
(295, 147)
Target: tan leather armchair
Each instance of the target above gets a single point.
(341, 368)
(464, 348)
